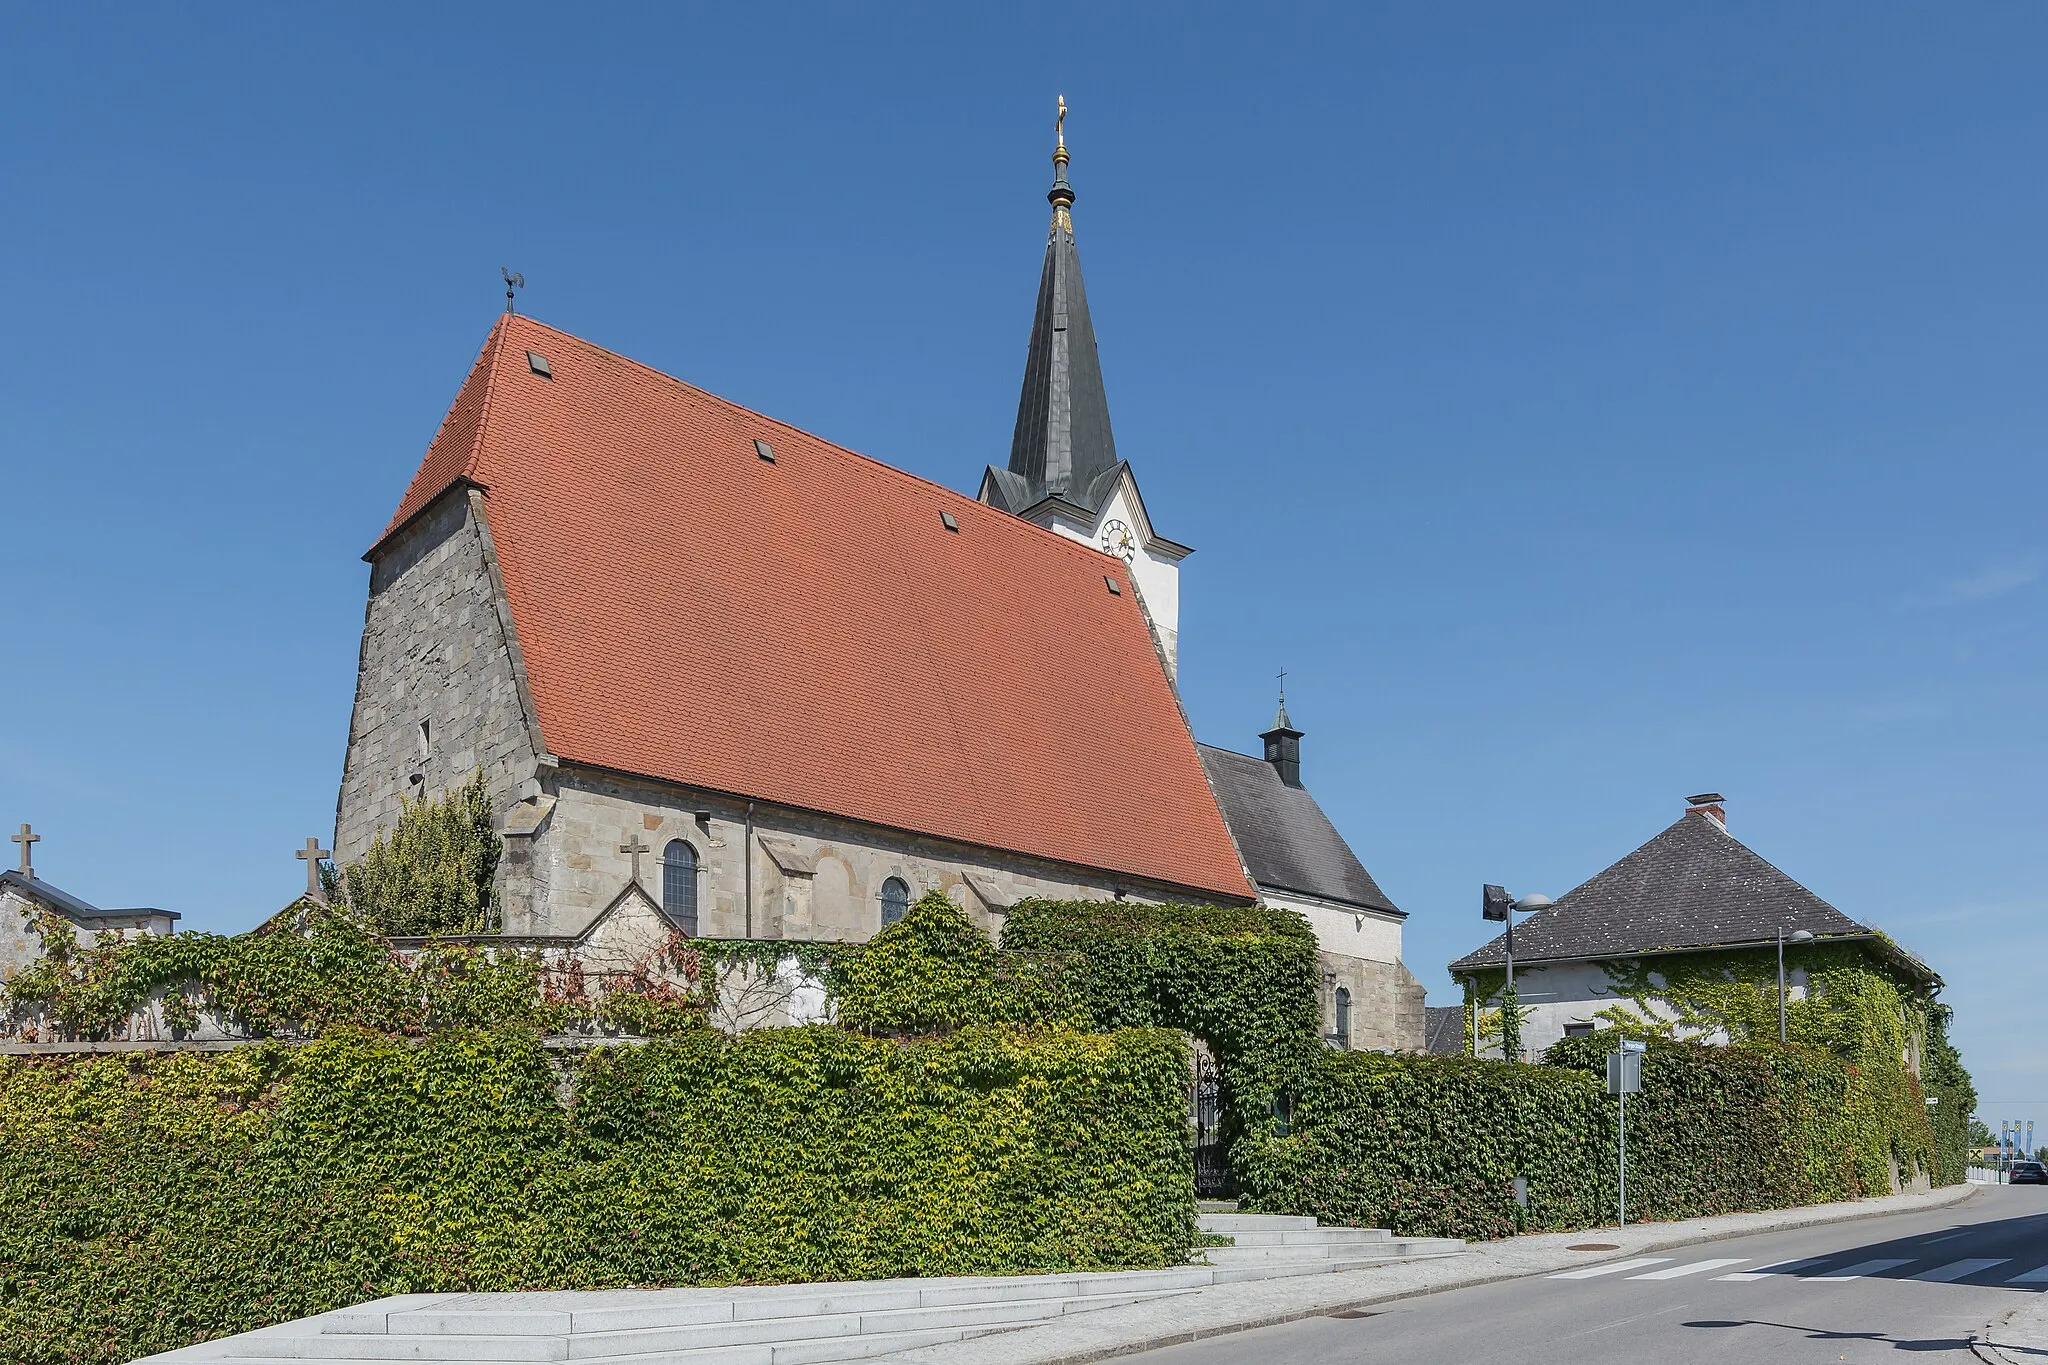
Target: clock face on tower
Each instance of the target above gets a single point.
(1117, 540)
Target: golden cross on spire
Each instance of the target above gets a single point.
(1059, 124)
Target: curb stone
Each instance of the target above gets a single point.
(2019, 1337)
(1226, 1309)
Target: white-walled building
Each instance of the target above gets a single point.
(1613, 944)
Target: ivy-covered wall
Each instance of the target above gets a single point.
(1241, 979)
(152, 1201)
(1855, 1004)
(1432, 1145)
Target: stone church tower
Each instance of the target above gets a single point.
(1064, 475)
(1063, 472)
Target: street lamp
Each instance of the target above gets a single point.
(1797, 936)
(1495, 904)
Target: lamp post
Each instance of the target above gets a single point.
(1798, 936)
(1495, 904)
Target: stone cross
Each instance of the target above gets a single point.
(25, 838)
(636, 848)
(312, 853)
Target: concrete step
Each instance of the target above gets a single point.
(1253, 1222)
(1289, 1237)
(585, 1346)
(327, 1346)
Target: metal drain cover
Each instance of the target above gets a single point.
(1594, 1246)
(1351, 1313)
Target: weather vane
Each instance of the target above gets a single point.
(513, 280)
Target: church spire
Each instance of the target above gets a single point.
(1062, 446)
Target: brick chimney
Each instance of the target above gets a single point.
(1708, 804)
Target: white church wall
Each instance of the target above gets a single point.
(1362, 934)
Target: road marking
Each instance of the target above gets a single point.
(1956, 1270)
(2038, 1275)
(1769, 1271)
(1611, 1268)
(1949, 1238)
(1857, 1271)
(1695, 1268)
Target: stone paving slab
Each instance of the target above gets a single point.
(1240, 1307)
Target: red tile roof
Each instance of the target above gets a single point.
(807, 632)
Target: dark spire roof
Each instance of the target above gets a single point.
(1062, 446)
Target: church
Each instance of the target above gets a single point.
(728, 679)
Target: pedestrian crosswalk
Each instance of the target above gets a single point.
(1816, 1269)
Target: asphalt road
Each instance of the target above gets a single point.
(1858, 1292)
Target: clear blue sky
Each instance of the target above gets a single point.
(1587, 406)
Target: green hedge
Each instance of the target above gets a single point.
(1432, 1145)
(153, 1201)
(1242, 979)
(933, 969)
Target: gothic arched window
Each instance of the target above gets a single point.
(1344, 1018)
(895, 900)
(679, 884)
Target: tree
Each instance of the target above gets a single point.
(432, 873)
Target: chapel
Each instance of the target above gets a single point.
(727, 679)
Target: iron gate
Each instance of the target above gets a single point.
(1212, 1157)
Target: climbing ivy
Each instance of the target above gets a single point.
(1866, 1014)
(157, 1200)
(317, 968)
(933, 969)
(1242, 979)
(1948, 1085)
(433, 872)
(1432, 1145)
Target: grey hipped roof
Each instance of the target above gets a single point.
(1062, 446)
(1694, 885)
(1287, 842)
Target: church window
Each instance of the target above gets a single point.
(895, 900)
(426, 738)
(1578, 1030)
(1344, 1018)
(679, 884)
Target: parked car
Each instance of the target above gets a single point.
(2029, 1173)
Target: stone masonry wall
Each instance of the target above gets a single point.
(435, 649)
(815, 877)
(1386, 1003)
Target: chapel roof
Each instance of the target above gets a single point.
(808, 631)
(72, 907)
(1692, 886)
(1287, 841)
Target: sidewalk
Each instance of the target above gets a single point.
(2019, 1338)
(1237, 1307)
